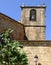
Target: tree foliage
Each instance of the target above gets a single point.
(10, 51)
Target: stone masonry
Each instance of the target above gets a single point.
(35, 30)
(36, 33)
(8, 23)
(40, 48)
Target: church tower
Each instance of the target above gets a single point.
(33, 19)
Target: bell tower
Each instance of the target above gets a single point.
(33, 19)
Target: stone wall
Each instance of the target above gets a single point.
(8, 23)
(40, 48)
(35, 30)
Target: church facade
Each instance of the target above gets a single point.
(31, 32)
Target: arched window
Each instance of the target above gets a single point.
(33, 15)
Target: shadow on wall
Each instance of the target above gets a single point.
(39, 63)
(25, 38)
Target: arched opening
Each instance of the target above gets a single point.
(33, 15)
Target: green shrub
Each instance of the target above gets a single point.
(10, 52)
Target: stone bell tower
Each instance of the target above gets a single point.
(33, 18)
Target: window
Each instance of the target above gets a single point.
(33, 15)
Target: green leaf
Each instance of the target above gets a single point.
(11, 52)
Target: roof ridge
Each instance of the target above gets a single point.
(10, 18)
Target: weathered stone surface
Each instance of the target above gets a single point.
(8, 23)
(40, 48)
(35, 30)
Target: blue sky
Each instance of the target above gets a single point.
(12, 9)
